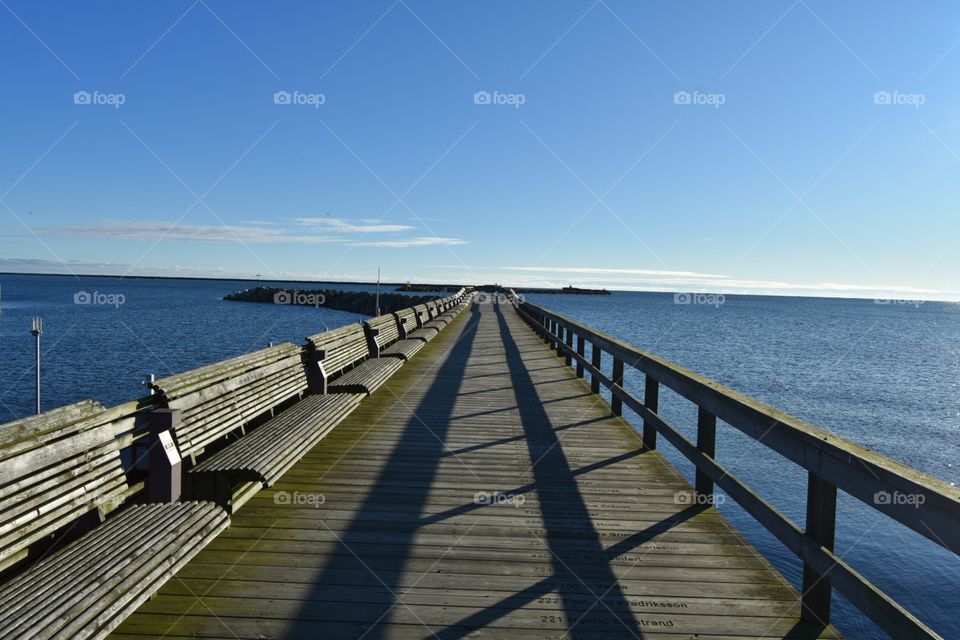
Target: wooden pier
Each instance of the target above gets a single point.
(447, 471)
(484, 491)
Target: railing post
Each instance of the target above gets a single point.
(568, 359)
(615, 402)
(707, 444)
(595, 354)
(651, 399)
(580, 352)
(821, 527)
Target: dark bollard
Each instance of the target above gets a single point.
(165, 463)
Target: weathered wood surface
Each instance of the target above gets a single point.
(221, 397)
(271, 449)
(54, 468)
(85, 589)
(390, 527)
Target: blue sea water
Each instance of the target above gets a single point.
(130, 328)
(884, 376)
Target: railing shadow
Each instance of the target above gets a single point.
(354, 554)
(563, 509)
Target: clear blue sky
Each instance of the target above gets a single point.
(785, 171)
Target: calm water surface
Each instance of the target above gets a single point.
(103, 350)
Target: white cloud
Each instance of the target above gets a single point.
(346, 226)
(303, 231)
(83, 267)
(427, 241)
(154, 230)
(690, 281)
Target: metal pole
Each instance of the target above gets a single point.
(148, 382)
(37, 330)
(378, 291)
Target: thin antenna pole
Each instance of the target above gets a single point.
(37, 330)
(378, 291)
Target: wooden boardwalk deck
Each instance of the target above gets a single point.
(482, 492)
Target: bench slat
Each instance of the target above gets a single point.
(343, 347)
(219, 398)
(67, 470)
(266, 453)
(366, 377)
(85, 589)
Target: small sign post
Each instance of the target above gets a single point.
(165, 462)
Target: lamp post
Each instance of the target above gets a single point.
(36, 331)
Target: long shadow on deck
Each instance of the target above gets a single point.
(382, 573)
(563, 509)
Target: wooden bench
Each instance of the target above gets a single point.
(62, 470)
(448, 309)
(219, 402)
(383, 333)
(341, 362)
(410, 326)
(436, 319)
(423, 321)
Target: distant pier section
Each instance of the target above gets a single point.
(495, 288)
(361, 302)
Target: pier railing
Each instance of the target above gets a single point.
(928, 506)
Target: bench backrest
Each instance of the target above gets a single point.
(383, 331)
(406, 320)
(54, 468)
(423, 314)
(341, 348)
(223, 396)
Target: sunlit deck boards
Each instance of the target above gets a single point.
(584, 541)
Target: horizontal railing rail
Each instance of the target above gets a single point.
(925, 504)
